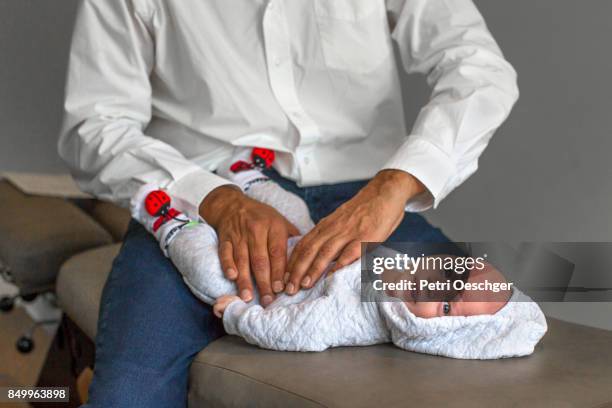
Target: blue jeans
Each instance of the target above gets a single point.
(151, 326)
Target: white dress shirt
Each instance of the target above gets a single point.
(161, 91)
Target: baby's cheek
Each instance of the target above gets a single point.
(424, 310)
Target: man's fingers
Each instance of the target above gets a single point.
(303, 255)
(327, 253)
(241, 257)
(260, 263)
(226, 256)
(292, 230)
(349, 254)
(297, 253)
(277, 249)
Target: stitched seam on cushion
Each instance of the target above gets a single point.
(259, 381)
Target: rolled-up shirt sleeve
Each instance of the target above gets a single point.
(473, 91)
(108, 106)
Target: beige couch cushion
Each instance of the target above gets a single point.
(572, 367)
(80, 283)
(37, 234)
(113, 218)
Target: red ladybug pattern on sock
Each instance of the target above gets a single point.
(262, 158)
(157, 204)
(239, 166)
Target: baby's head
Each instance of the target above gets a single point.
(475, 324)
(428, 303)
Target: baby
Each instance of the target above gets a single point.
(335, 312)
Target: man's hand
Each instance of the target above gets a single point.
(252, 238)
(222, 303)
(372, 215)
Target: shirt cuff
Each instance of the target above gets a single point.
(232, 313)
(192, 188)
(430, 165)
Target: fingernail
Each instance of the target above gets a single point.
(245, 295)
(289, 288)
(266, 300)
(286, 277)
(231, 273)
(306, 281)
(277, 286)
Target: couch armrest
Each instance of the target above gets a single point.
(37, 234)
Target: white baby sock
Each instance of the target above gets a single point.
(195, 253)
(156, 211)
(191, 246)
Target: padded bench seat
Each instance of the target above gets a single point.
(37, 234)
(80, 283)
(572, 366)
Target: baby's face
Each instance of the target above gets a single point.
(466, 303)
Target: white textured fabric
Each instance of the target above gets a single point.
(332, 314)
(162, 91)
(513, 331)
(288, 204)
(194, 252)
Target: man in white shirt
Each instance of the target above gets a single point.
(161, 91)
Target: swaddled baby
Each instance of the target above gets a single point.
(333, 313)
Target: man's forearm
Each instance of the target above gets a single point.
(473, 91)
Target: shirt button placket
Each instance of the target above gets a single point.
(280, 71)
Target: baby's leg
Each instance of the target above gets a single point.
(292, 207)
(194, 252)
(244, 172)
(192, 246)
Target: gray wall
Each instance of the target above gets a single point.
(34, 42)
(546, 175)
